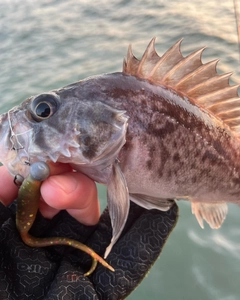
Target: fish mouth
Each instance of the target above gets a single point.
(5, 144)
(14, 143)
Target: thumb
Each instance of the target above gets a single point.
(74, 192)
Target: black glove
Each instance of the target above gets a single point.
(57, 272)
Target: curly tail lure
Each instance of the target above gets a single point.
(27, 207)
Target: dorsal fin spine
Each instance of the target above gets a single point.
(204, 68)
(223, 105)
(212, 84)
(150, 49)
(191, 57)
(165, 58)
(219, 96)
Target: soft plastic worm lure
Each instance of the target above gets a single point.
(27, 207)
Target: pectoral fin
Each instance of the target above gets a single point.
(149, 202)
(118, 203)
(213, 213)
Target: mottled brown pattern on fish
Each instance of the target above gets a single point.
(183, 146)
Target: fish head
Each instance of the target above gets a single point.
(61, 126)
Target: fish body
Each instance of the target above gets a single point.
(164, 129)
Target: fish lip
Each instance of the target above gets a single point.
(15, 138)
(4, 135)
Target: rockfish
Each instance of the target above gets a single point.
(164, 129)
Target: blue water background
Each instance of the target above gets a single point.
(49, 44)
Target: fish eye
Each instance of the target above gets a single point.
(43, 107)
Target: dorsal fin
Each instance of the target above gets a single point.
(189, 76)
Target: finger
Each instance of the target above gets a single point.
(55, 169)
(59, 168)
(47, 211)
(74, 192)
(8, 190)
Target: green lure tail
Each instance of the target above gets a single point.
(27, 207)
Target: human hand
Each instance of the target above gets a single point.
(63, 190)
(57, 272)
